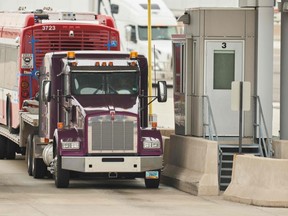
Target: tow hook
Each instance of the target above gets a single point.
(112, 175)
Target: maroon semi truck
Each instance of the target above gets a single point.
(93, 118)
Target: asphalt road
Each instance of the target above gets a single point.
(21, 195)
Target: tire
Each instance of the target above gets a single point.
(11, 150)
(3, 147)
(29, 153)
(61, 176)
(39, 168)
(153, 183)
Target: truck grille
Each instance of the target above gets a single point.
(117, 136)
(52, 41)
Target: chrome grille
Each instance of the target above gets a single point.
(117, 136)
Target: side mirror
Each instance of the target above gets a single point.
(162, 91)
(130, 33)
(46, 91)
(114, 8)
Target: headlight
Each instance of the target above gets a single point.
(70, 145)
(149, 143)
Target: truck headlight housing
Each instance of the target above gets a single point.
(67, 145)
(151, 143)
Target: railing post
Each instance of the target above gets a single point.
(240, 117)
(211, 122)
(267, 144)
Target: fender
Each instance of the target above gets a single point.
(153, 134)
(69, 135)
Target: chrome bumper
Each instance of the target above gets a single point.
(112, 164)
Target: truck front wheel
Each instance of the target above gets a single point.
(39, 169)
(61, 176)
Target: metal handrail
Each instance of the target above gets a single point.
(267, 143)
(211, 121)
(219, 163)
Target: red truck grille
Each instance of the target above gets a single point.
(52, 41)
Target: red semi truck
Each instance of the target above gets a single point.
(24, 40)
(89, 117)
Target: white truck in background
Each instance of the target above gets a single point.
(131, 21)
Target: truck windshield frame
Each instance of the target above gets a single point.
(108, 82)
(158, 32)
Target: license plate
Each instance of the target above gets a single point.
(152, 175)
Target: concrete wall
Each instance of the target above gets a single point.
(259, 181)
(167, 132)
(280, 148)
(191, 165)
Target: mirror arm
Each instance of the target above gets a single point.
(154, 98)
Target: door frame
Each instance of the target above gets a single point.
(228, 128)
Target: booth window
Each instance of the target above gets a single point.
(224, 69)
(179, 67)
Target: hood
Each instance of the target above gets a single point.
(104, 103)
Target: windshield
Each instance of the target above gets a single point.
(88, 83)
(158, 32)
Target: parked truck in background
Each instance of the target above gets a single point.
(131, 21)
(89, 114)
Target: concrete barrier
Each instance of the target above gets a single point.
(259, 181)
(167, 132)
(280, 148)
(191, 165)
(166, 149)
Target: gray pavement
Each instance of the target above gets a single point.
(22, 195)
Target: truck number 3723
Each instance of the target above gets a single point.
(48, 28)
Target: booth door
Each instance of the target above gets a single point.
(224, 64)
